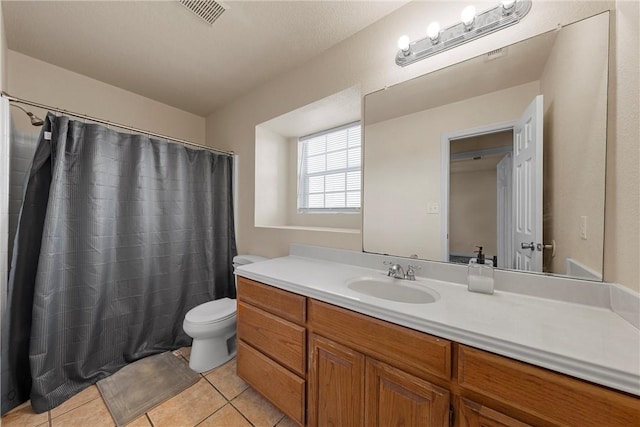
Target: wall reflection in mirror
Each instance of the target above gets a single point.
(504, 151)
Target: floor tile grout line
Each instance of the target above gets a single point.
(280, 420)
(212, 414)
(216, 389)
(240, 412)
(72, 409)
(146, 414)
(220, 393)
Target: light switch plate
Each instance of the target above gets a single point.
(433, 208)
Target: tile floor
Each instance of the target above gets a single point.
(219, 399)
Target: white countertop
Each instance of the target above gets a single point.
(587, 342)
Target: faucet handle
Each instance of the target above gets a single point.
(391, 265)
(411, 271)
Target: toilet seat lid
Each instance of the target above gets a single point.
(212, 311)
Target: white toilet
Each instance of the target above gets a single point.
(212, 326)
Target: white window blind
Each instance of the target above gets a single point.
(329, 170)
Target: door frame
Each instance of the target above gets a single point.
(445, 143)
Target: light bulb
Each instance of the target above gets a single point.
(403, 44)
(467, 16)
(508, 4)
(433, 32)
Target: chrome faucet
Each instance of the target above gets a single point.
(397, 272)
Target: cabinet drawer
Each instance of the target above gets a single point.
(473, 414)
(283, 388)
(279, 339)
(555, 398)
(285, 304)
(415, 352)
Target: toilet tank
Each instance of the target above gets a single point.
(244, 260)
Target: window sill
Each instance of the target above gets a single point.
(307, 228)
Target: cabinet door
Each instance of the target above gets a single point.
(336, 384)
(396, 398)
(473, 414)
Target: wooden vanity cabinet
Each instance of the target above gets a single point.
(324, 365)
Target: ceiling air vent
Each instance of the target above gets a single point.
(495, 54)
(208, 10)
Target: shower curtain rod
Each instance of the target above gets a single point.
(108, 123)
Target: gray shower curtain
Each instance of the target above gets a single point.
(118, 237)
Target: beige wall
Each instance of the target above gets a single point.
(574, 84)
(622, 223)
(402, 182)
(473, 195)
(38, 81)
(472, 221)
(367, 58)
(271, 165)
(3, 53)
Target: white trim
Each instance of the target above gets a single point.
(445, 141)
(312, 228)
(505, 222)
(444, 195)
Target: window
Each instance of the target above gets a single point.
(329, 170)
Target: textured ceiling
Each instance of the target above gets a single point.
(161, 50)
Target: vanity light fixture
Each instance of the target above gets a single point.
(404, 45)
(468, 17)
(507, 6)
(433, 32)
(473, 26)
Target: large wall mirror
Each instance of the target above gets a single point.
(504, 151)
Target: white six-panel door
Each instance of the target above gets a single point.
(527, 188)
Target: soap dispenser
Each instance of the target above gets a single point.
(480, 274)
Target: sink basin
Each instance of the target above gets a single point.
(392, 290)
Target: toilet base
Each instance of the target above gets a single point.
(209, 353)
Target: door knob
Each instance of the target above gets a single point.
(547, 246)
